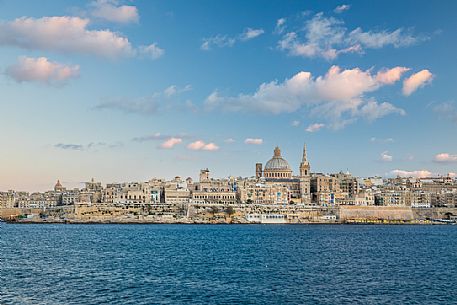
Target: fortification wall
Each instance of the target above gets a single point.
(375, 213)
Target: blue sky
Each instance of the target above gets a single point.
(129, 90)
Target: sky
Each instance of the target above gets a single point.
(129, 90)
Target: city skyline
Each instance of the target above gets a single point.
(130, 90)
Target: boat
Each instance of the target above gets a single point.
(267, 218)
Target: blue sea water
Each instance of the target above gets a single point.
(227, 264)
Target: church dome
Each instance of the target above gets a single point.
(277, 162)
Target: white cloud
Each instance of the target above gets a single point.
(168, 99)
(174, 90)
(376, 40)
(280, 25)
(390, 76)
(416, 81)
(170, 143)
(152, 51)
(144, 105)
(414, 174)
(372, 110)
(295, 123)
(158, 136)
(445, 158)
(315, 127)
(327, 37)
(201, 145)
(222, 41)
(40, 69)
(66, 35)
(447, 110)
(386, 157)
(338, 96)
(110, 10)
(341, 8)
(381, 140)
(250, 33)
(253, 141)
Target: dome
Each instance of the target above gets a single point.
(277, 162)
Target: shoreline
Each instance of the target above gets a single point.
(367, 223)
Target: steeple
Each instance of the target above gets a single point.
(304, 158)
(304, 165)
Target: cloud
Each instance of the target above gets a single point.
(381, 140)
(67, 35)
(280, 25)
(386, 157)
(338, 96)
(110, 10)
(90, 146)
(170, 143)
(200, 145)
(69, 146)
(229, 141)
(40, 69)
(250, 33)
(295, 123)
(327, 37)
(447, 110)
(372, 110)
(174, 90)
(144, 106)
(414, 174)
(152, 51)
(152, 137)
(158, 136)
(253, 141)
(416, 81)
(222, 41)
(315, 127)
(341, 8)
(445, 158)
(149, 105)
(390, 76)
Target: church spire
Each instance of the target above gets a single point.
(304, 165)
(304, 158)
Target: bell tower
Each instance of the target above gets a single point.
(305, 178)
(304, 165)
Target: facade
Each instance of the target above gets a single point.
(277, 174)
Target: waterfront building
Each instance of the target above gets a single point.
(259, 192)
(214, 191)
(70, 197)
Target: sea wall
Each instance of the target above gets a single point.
(375, 213)
(434, 213)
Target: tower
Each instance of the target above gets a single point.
(305, 178)
(258, 170)
(304, 165)
(204, 175)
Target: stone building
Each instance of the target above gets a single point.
(277, 173)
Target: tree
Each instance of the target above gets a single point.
(230, 211)
(214, 210)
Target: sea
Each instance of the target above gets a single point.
(227, 264)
